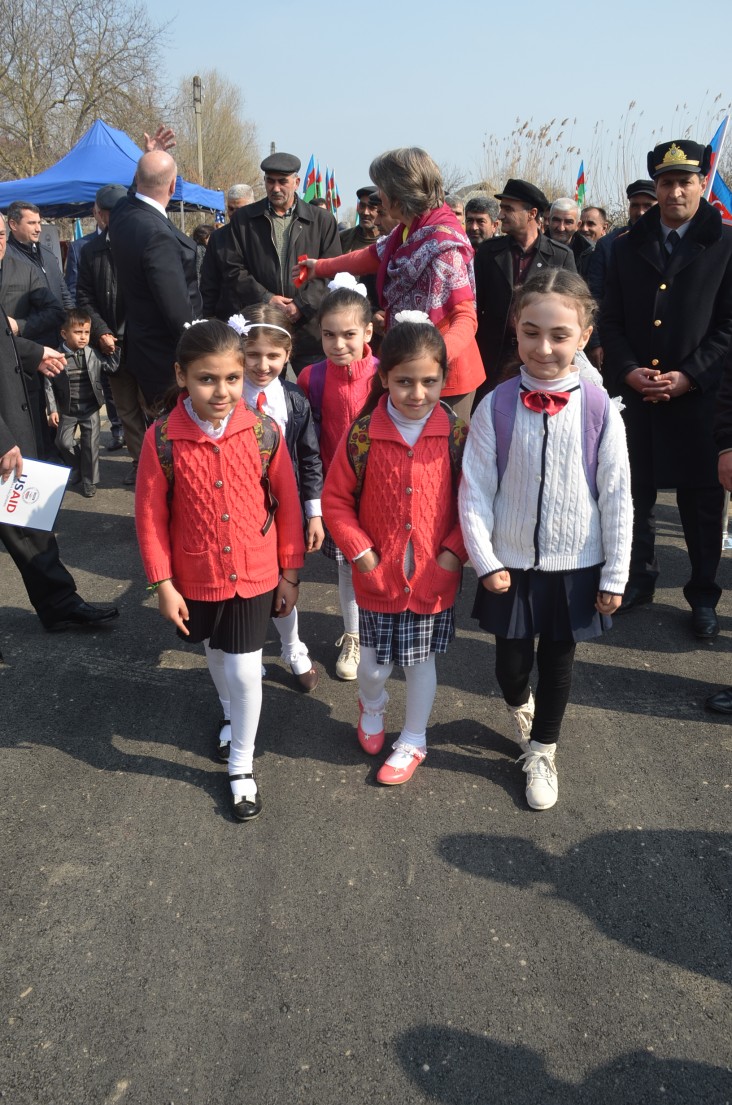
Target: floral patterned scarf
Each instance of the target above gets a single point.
(431, 271)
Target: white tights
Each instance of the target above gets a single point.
(237, 677)
(347, 597)
(421, 689)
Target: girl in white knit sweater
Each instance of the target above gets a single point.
(546, 515)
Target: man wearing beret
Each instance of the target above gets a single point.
(502, 264)
(666, 329)
(266, 239)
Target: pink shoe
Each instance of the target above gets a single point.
(370, 744)
(401, 765)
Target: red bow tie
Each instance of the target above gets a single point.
(549, 402)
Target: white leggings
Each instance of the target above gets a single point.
(237, 677)
(347, 597)
(421, 689)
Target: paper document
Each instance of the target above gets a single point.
(34, 499)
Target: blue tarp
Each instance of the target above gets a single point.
(101, 156)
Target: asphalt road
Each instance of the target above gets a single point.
(436, 942)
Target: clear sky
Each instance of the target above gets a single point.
(347, 81)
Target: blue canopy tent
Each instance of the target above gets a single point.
(101, 156)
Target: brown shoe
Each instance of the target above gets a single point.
(309, 679)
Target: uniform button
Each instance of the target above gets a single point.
(227, 548)
(656, 322)
(654, 362)
(406, 590)
(662, 287)
(224, 517)
(408, 491)
(219, 483)
(233, 577)
(408, 525)
(410, 452)
(216, 449)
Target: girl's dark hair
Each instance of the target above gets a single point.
(403, 342)
(559, 282)
(269, 317)
(205, 339)
(345, 299)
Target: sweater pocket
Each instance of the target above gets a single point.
(442, 585)
(371, 583)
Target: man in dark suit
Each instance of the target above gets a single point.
(24, 224)
(51, 588)
(156, 274)
(667, 327)
(214, 292)
(502, 264)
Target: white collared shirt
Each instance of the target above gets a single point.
(153, 203)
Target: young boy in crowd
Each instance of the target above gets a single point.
(74, 398)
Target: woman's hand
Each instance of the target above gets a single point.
(285, 597)
(314, 534)
(448, 561)
(607, 603)
(368, 562)
(498, 582)
(305, 270)
(172, 605)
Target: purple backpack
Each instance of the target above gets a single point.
(595, 406)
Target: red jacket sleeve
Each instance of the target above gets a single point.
(339, 506)
(152, 515)
(360, 263)
(288, 519)
(462, 324)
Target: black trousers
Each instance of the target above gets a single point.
(51, 588)
(554, 661)
(700, 511)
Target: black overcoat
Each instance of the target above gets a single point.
(670, 313)
(18, 358)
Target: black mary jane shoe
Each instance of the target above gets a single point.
(246, 809)
(222, 748)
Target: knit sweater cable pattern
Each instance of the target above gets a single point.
(407, 496)
(346, 390)
(545, 483)
(208, 539)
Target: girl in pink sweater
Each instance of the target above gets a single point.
(390, 501)
(337, 389)
(204, 516)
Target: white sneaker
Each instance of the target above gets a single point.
(541, 781)
(347, 662)
(523, 719)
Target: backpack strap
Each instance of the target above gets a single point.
(316, 388)
(268, 440)
(455, 442)
(595, 406)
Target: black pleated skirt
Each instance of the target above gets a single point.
(233, 625)
(558, 605)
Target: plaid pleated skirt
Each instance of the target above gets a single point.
(331, 550)
(406, 638)
(232, 625)
(558, 605)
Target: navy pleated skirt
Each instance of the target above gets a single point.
(233, 625)
(558, 605)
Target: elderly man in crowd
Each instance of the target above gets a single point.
(564, 227)
(267, 237)
(156, 274)
(502, 264)
(481, 219)
(667, 328)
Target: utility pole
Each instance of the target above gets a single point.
(197, 98)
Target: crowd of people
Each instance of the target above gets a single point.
(500, 379)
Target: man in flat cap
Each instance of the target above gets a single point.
(364, 234)
(266, 239)
(502, 264)
(666, 329)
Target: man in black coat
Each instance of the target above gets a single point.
(24, 224)
(502, 264)
(214, 292)
(267, 237)
(156, 273)
(51, 588)
(667, 327)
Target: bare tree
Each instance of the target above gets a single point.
(64, 63)
(230, 147)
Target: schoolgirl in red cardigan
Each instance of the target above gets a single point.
(218, 561)
(390, 502)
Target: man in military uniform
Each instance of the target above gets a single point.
(667, 327)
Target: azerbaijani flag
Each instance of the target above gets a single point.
(308, 188)
(318, 183)
(579, 192)
(337, 200)
(716, 143)
(721, 198)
